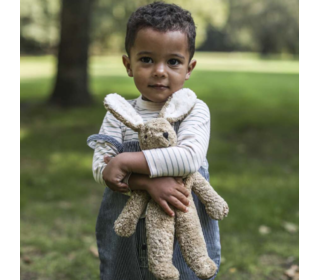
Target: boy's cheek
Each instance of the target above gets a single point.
(141, 80)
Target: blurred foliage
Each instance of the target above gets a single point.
(39, 25)
(266, 26)
(110, 20)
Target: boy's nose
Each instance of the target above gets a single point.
(160, 70)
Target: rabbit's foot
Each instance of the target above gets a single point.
(165, 272)
(204, 268)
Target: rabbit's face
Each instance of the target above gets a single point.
(157, 133)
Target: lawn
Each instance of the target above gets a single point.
(253, 157)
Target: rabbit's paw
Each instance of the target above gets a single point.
(165, 272)
(219, 210)
(205, 268)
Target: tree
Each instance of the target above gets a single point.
(265, 26)
(71, 86)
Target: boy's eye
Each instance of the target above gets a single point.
(173, 62)
(146, 59)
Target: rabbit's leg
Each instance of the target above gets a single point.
(127, 221)
(192, 243)
(216, 207)
(160, 239)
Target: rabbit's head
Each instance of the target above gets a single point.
(155, 133)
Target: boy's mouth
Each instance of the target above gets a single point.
(158, 86)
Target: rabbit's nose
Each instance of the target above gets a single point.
(166, 135)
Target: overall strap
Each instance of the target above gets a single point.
(176, 126)
(101, 138)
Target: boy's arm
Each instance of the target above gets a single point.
(111, 127)
(185, 158)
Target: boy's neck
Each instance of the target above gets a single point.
(145, 99)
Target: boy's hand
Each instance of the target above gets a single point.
(163, 190)
(113, 174)
(168, 190)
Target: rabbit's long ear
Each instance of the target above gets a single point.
(178, 105)
(123, 111)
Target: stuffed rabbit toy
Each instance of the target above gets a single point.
(160, 227)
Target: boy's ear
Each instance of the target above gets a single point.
(127, 65)
(191, 66)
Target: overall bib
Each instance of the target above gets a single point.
(126, 258)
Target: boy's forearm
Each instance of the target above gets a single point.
(134, 162)
(138, 182)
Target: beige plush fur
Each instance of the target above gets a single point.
(160, 226)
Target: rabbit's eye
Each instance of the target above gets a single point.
(145, 137)
(166, 135)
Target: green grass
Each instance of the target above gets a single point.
(253, 157)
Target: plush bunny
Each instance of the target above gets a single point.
(160, 227)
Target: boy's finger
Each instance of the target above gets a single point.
(183, 190)
(182, 198)
(166, 208)
(122, 185)
(107, 159)
(176, 203)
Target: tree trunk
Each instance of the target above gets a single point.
(71, 87)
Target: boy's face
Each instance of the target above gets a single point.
(159, 63)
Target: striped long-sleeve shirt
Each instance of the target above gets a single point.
(185, 158)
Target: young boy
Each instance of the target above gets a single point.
(160, 43)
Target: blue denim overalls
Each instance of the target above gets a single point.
(126, 258)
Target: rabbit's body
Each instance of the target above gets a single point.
(161, 226)
(158, 133)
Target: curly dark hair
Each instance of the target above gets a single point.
(161, 17)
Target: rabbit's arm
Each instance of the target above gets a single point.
(126, 223)
(189, 154)
(217, 208)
